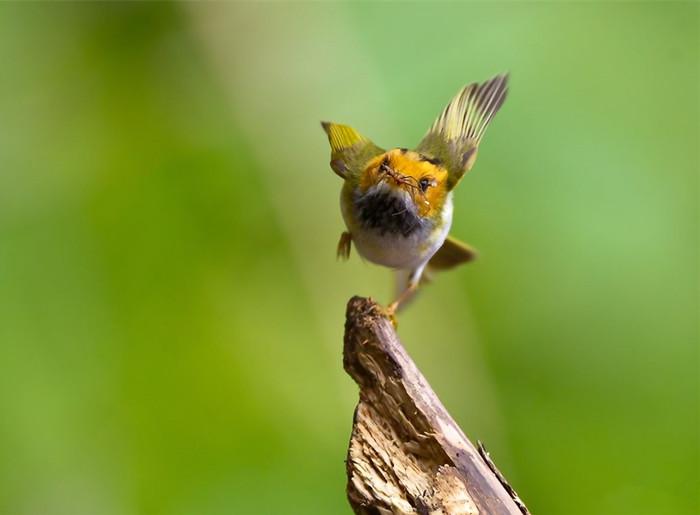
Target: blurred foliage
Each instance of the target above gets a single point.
(170, 309)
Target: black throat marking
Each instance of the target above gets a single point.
(387, 213)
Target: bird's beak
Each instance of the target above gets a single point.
(392, 177)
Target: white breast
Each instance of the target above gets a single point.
(403, 252)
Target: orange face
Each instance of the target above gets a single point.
(424, 179)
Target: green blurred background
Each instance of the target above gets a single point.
(171, 311)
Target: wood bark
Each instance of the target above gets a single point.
(406, 454)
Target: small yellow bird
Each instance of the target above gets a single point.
(397, 204)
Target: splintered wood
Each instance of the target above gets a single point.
(406, 454)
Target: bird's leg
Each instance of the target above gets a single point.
(407, 293)
(344, 246)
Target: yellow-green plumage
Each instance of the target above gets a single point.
(455, 135)
(350, 150)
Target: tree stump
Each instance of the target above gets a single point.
(406, 454)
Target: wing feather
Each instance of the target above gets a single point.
(350, 150)
(455, 135)
(452, 253)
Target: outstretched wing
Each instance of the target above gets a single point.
(452, 253)
(454, 137)
(350, 150)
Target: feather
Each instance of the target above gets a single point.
(452, 253)
(455, 135)
(350, 150)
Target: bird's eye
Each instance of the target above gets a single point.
(384, 165)
(425, 183)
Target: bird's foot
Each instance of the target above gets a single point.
(390, 313)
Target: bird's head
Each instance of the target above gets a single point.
(416, 178)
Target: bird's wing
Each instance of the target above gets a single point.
(350, 150)
(452, 253)
(454, 137)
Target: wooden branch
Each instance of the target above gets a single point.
(406, 454)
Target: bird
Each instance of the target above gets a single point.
(397, 204)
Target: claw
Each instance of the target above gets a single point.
(390, 313)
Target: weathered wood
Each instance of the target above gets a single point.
(406, 454)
